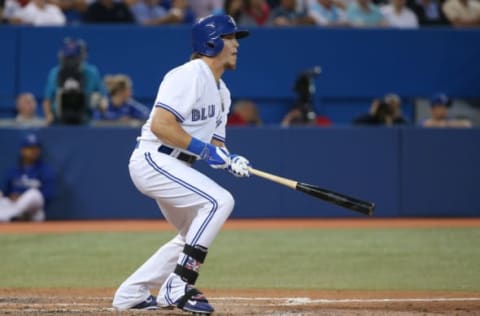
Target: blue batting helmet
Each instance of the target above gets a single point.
(207, 34)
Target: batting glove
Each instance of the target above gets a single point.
(239, 166)
(216, 157)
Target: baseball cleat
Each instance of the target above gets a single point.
(149, 304)
(194, 301)
(176, 292)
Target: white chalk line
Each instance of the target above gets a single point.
(309, 301)
(266, 301)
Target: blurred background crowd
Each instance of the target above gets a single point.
(324, 13)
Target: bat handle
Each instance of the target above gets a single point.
(281, 180)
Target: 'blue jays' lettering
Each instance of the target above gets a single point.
(203, 113)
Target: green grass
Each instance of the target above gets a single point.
(370, 259)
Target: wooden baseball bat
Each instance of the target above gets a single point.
(343, 200)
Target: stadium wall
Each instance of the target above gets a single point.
(405, 171)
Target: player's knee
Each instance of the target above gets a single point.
(226, 201)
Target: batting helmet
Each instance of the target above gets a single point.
(207, 33)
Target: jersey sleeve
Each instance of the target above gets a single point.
(178, 93)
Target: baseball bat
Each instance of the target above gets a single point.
(343, 200)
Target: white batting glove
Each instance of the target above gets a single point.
(239, 166)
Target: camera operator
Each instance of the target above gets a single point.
(302, 112)
(74, 86)
(386, 111)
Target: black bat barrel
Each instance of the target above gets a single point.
(343, 200)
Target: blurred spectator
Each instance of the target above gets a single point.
(178, 13)
(395, 103)
(122, 108)
(202, 8)
(29, 186)
(462, 12)
(40, 13)
(27, 112)
(258, 11)
(244, 113)
(74, 87)
(383, 112)
(11, 9)
(439, 105)
(398, 15)
(429, 12)
(147, 11)
(363, 13)
(286, 14)
(236, 9)
(26, 108)
(72, 9)
(298, 116)
(108, 11)
(327, 13)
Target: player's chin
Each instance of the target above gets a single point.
(231, 65)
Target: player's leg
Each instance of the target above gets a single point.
(211, 205)
(151, 275)
(29, 204)
(180, 205)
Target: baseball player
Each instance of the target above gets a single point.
(28, 186)
(187, 123)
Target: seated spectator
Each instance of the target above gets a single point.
(122, 108)
(364, 13)
(40, 13)
(395, 103)
(29, 186)
(27, 112)
(462, 13)
(72, 9)
(26, 108)
(74, 87)
(108, 11)
(11, 9)
(382, 112)
(439, 105)
(299, 116)
(236, 9)
(258, 11)
(286, 14)
(244, 113)
(202, 8)
(147, 11)
(429, 12)
(178, 13)
(398, 15)
(327, 13)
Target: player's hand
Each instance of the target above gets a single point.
(216, 157)
(239, 166)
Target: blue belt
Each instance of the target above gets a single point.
(182, 156)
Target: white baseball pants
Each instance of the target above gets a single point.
(30, 202)
(193, 203)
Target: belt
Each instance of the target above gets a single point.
(181, 156)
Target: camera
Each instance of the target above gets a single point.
(304, 87)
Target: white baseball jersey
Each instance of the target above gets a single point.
(192, 202)
(190, 92)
